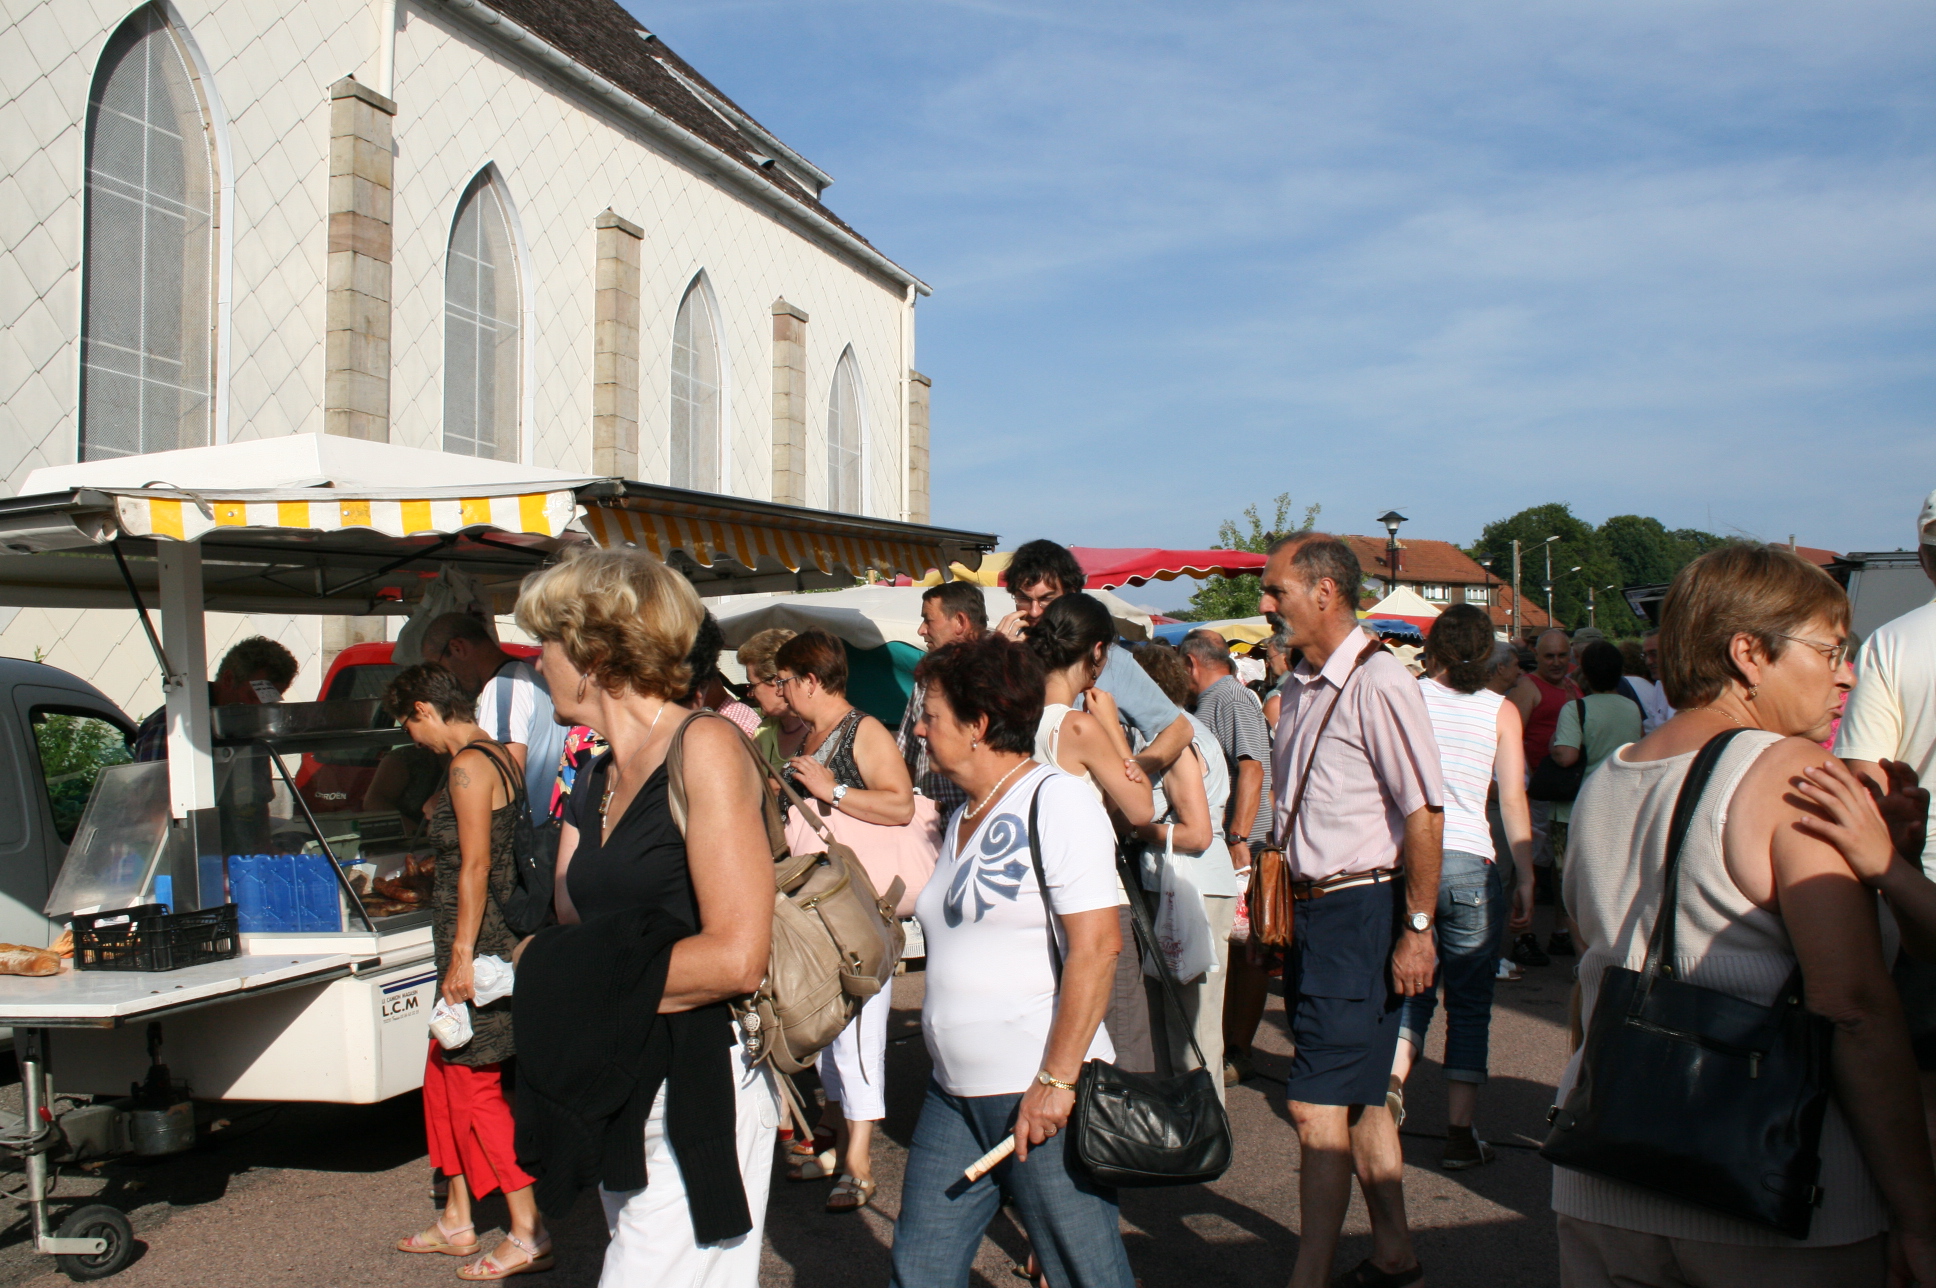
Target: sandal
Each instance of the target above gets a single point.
(812, 1161)
(440, 1241)
(1366, 1275)
(850, 1194)
(488, 1267)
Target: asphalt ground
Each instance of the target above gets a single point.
(308, 1195)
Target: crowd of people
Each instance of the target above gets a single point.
(1376, 837)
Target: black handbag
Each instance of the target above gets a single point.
(1552, 781)
(1134, 1129)
(534, 854)
(1696, 1094)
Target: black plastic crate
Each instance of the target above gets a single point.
(149, 937)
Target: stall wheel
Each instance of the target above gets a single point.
(96, 1221)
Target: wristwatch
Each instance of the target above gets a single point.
(1419, 921)
(1046, 1079)
(840, 790)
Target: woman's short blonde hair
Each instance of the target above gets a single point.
(757, 654)
(1743, 588)
(622, 617)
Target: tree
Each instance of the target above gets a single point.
(1220, 598)
(1646, 551)
(1581, 559)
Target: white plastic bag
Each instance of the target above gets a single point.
(1183, 938)
(491, 978)
(450, 1025)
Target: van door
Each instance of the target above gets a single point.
(59, 739)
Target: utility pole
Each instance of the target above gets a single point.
(1549, 582)
(1515, 616)
(1590, 619)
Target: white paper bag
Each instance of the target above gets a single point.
(1183, 937)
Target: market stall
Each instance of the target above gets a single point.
(318, 984)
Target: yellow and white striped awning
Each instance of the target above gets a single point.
(189, 517)
(759, 544)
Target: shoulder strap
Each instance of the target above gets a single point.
(1042, 888)
(1582, 704)
(1304, 778)
(490, 747)
(1660, 944)
(675, 767)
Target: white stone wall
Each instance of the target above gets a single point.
(463, 102)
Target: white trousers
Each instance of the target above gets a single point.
(652, 1244)
(853, 1068)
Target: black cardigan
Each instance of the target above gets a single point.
(592, 1053)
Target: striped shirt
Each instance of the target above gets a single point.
(1467, 728)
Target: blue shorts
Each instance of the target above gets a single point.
(1337, 988)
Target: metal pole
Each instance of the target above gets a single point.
(1590, 619)
(1549, 583)
(1515, 617)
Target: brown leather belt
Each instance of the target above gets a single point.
(1343, 881)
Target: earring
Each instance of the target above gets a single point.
(583, 680)
(973, 743)
(1754, 690)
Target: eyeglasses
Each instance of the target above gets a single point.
(781, 681)
(1836, 654)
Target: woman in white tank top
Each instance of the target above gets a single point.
(1751, 638)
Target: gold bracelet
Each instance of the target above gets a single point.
(1046, 1079)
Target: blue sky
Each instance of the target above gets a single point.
(1662, 258)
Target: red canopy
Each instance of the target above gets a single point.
(1109, 568)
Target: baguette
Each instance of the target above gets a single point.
(18, 959)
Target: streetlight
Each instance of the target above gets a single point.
(1391, 519)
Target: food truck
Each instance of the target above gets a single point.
(237, 937)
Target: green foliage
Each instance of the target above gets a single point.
(1219, 598)
(1626, 550)
(73, 750)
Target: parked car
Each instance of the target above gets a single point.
(57, 732)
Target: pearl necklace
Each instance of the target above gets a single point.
(974, 811)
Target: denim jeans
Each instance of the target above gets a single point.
(1473, 905)
(1071, 1222)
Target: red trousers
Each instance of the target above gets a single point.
(469, 1125)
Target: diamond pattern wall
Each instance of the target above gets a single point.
(463, 104)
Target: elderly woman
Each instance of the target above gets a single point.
(1752, 638)
(850, 763)
(466, 1116)
(781, 732)
(1019, 971)
(1193, 792)
(682, 919)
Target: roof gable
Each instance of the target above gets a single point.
(1433, 561)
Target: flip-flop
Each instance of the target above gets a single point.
(417, 1242)
(486, 1267)
(851, 1188)
(1366, 1275)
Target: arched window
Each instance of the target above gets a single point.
(482, 358)
(149, 258)
(843, 438)
(695, 393)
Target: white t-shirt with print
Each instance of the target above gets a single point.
(990, 983)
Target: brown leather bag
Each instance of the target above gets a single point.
(1269, 894)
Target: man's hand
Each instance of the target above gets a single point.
(1905, 808)
(1011, 626)
(814, 776)
(1414, 961)
(1240, 856)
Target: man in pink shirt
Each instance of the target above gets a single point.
(1360, 815)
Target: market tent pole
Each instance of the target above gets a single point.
(191, 761)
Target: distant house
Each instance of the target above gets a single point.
(1441, 574)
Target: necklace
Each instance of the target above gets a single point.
(1729, 714)
(605, 804)
(974, 811)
